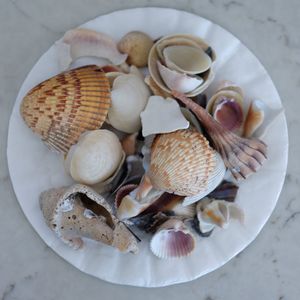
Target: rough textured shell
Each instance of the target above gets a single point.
(66, 105)
(179, 39)
(181, 162)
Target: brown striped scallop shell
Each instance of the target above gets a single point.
(61, 108)
(181, 162)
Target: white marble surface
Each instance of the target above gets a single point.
(268, 269)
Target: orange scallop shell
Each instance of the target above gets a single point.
(181, 162)
(61, 108)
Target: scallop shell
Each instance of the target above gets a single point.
(162, 116)
(61, 108)
(95, 158)
(157, 54)
(81, 42)
(172, 240)
(78, 211)
(181, 162)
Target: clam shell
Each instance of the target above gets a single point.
(78, 211)
(61, 108)
(214, 179)
(186, 59)
(172, 240)
(156, 54)
(178, 81)
(229, 86)
(181, 162)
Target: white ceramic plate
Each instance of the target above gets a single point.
(33, 168)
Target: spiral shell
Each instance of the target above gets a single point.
(66, 105)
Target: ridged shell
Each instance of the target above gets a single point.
(156, 53)
(181, 162)
(61, 108)
(172, 240)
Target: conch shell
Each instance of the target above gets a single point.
(78, 212)
(61, 108)
(181, 62)
(95, 158)
(81, 42)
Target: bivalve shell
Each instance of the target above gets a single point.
(61, 108)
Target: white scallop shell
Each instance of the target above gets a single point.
(172, 240)
(162, 116)
(215, 178)
(95, 158)
(178, 81)
(129, 97)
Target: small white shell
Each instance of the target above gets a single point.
(186, 59)
(172, 240)
(95, 157)
(129, 97)
(215, 178)
(85, 42)
(211, 213)
(178, 81)
(162, 116)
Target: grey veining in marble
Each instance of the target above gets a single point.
(268, 269)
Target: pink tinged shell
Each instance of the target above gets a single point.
(242, 156)
(178, 81)
(83, 42)
(229, 114)
(172, 240)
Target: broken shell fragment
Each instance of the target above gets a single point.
(178, 81)
(242, 156)
(79, 212)
(95, 158)
(155, 89)
(82, 42)
(225, 191)
(61, 108)
(172, 240)
(173, 59)
(129, 97)
(254, 118)
(162, 116)
(136, 45)
(211, 213)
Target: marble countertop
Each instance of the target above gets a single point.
(267, 269)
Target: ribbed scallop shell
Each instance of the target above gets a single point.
(66, 105)
(181, 162)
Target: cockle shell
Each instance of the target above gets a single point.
(254, 118)
(172, 240)
(82, 42)
(95, 157)
(78, 212)
(179, 81)
(226, 107)
(211, 213)
(129, 97)
(214, 179)
(162, 116)
(166, 50)
(181, 163)
(137, 45)
(242, 156)
(61, 108)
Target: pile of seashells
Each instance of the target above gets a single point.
(146, 153)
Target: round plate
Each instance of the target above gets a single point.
(33, 168)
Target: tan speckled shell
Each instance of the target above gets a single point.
(181, 162)
(61, 108)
